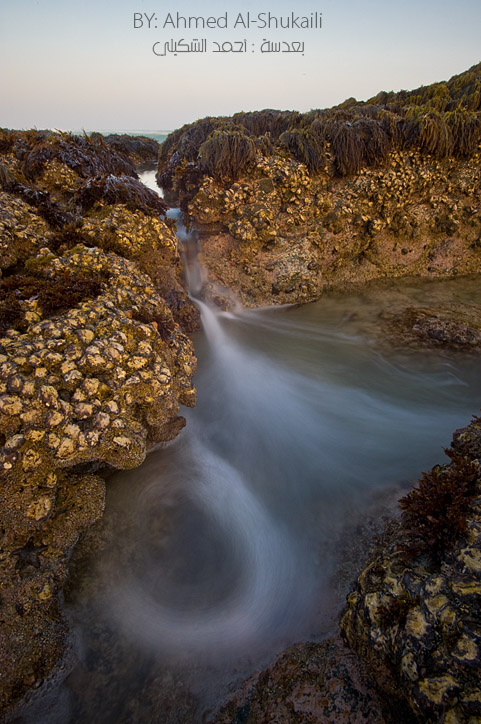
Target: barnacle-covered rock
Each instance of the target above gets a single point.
(311, 682)
(60, 180)
(414, 616)
(93, 370)
(375, 190)
(377, 224)
(98, 385)
(457, 326)
(148, 240)
(22, 231)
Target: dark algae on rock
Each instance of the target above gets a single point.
(94, 366)
(434, 514)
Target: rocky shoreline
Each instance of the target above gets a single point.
(382, 189)
(94, 364)
(95, 361)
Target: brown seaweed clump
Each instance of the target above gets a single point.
(140, 149)
(80, 153)
(227, 154)
(435, 512)
(442, 121)
(119, 190)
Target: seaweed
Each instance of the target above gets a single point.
(465, 128)
(70, 235)
(396, 609)
(55, 295)
(6, 178)
(181, 147)
(7, 139)
(80, 153)
(307, 147)
(374, 141)
(434, 514)
(442, 120)
(227, 154)
(11, 313)
(460, 91)
(265, 145)
(273, 122)
(435, 135)
(347, 149)
(187, 140)
(141, 148)
(41, 201)
(119, 190)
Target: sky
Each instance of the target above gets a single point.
(84, 65)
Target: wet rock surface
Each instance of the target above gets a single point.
(414, 613)
(457, 327)
(312, 682)
(93, 367)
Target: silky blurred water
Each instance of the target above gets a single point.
(218, 551)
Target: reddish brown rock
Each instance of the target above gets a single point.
(311, 683)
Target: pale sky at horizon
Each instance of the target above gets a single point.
(71, 65)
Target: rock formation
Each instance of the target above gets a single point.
(414, 613)
(313, 682)
(94, 364)
(290, 204)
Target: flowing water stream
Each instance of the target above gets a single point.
(223, 547)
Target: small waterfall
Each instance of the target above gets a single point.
(298, 422)
(237, 586)
(189, 244)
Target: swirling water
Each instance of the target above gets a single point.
(220, 550)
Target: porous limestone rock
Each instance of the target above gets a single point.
(280, 235)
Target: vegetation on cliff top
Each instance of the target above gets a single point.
(80, 153)
(443, 120)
